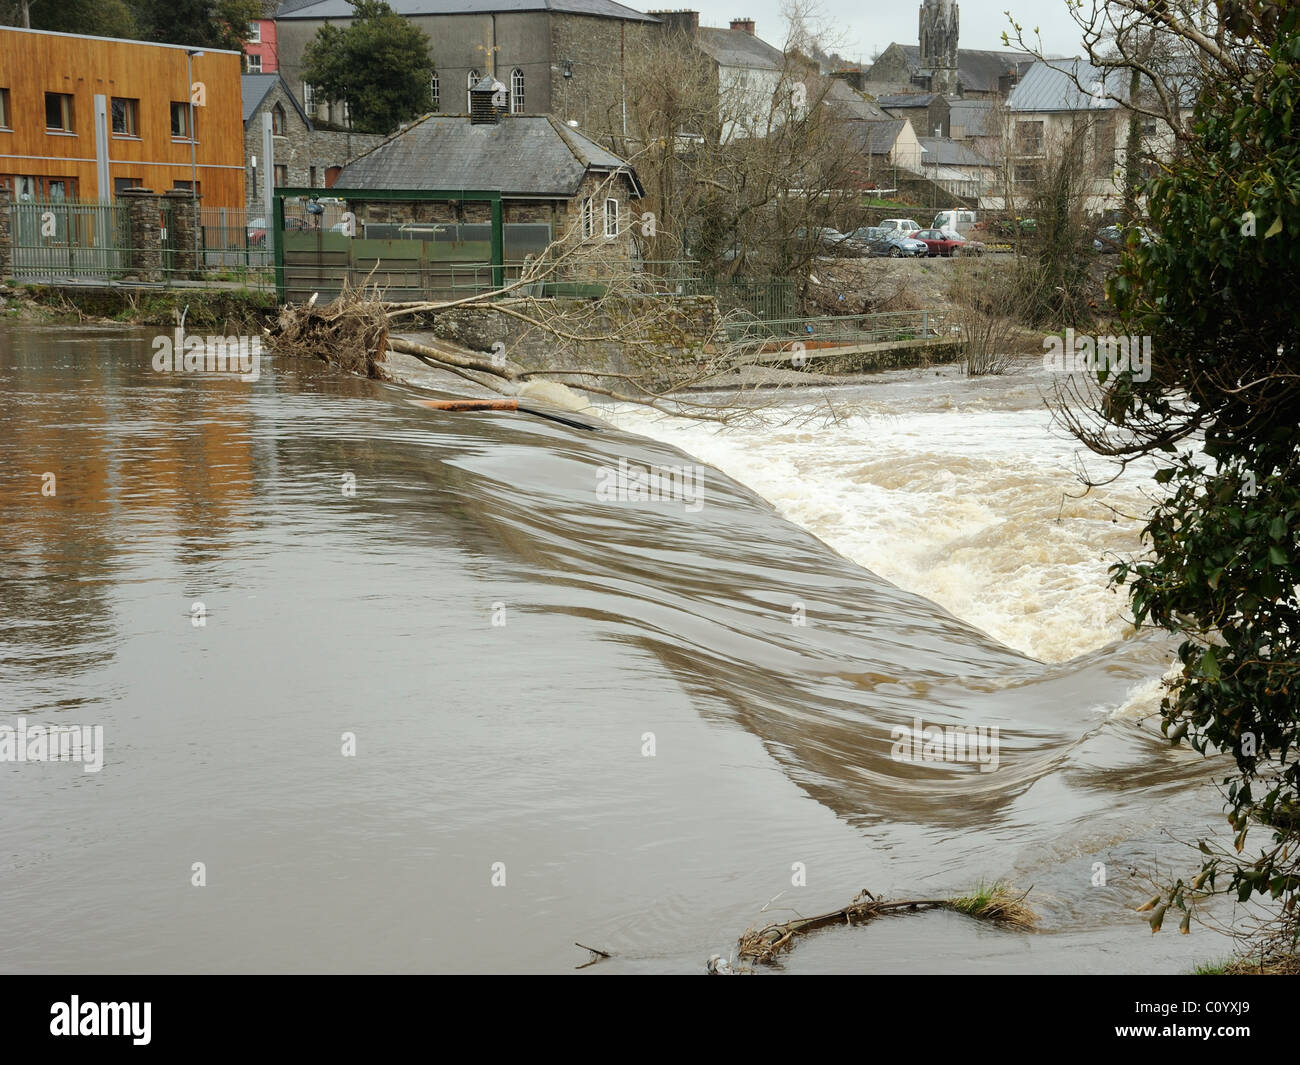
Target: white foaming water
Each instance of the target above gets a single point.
(960, 490)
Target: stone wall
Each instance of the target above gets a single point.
(599, 49)
(307, 153)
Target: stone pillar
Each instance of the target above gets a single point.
(6, 251)
(184, 236)
(144, 228)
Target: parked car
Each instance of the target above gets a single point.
(833, 242)
(940, 242)
(1111, 239)
(902, 225)
(889, 242)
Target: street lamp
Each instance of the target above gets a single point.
(190, 54)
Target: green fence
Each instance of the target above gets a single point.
(68, 239)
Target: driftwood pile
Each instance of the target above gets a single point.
(996, 904)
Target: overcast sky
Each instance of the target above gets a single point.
(868, 26)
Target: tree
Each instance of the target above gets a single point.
(1220, 413)
(379, 65)
(197, 23)
(101, 18)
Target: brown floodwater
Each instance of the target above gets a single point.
(628, 723)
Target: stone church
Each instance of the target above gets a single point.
(936, 64)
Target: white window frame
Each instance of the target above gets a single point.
(435, 91)
(254, 63)
(308, 97)
(471, 79)
(254, 33)
(517, 91)
(588, 218)
(608, 202)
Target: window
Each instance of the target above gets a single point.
(126, 117)
(4, 109)
(1029, 138)
(121, 184)
(611, 219)
(308, 96)
(254, 33)
(277, 120)
(186, 186)
(517, 92)
(181, 121)
(311, 176)
(346, 112)
(254, 64)
(470, 81)
(58, 112)
(588, 218)
(281, 175)
(435, 92)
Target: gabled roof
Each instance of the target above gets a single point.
(940, 151)
(522, 155)
(849, 103)
(736, 48)
(978, 69)
(1050, 85)
(877, 137)
(341, 9)
(254, 89)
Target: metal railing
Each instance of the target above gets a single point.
(829, 331)
(68, 239)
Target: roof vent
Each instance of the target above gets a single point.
(487, 99)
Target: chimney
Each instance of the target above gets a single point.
(744, 24)
(682, 21)
(483, 108)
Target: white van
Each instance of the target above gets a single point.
(954, 221)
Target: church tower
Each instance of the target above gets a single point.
(939, 45)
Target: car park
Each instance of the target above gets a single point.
(940, 242)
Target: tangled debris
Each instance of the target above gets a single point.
(995, 903)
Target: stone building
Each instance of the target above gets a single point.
(553, 181)
(560, 57)
(304, 156)
(929, 112)
(937, 64)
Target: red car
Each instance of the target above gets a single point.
(941, 242)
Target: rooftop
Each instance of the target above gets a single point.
(341, 9)
(522, 155)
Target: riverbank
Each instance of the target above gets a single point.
(227, 310)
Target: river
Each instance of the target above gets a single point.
(386, 689)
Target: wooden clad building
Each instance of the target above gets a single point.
(82, 118)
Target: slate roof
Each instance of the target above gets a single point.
(254, 88)
(736, 48)
(877, 137)
(939, 151)
(341, 9)
(1049, 85)
(850, 103)
(522, 155)
(978, 69)
(907, 99)
(971, 115)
